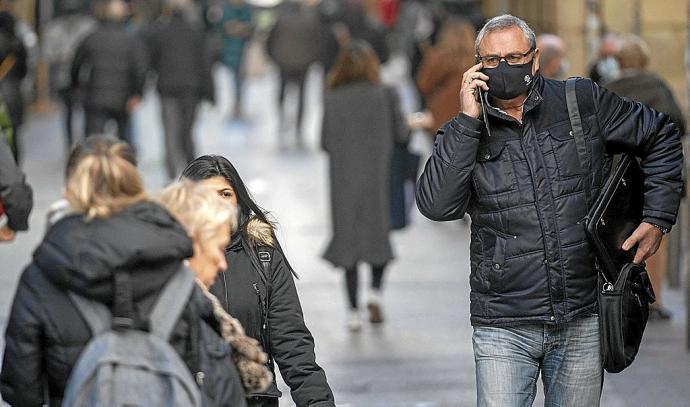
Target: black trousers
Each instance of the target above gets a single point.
(96, 120)
(352, 282)
(299, 79)
(178, 115)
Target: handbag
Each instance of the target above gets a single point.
(404, 167)
(624, 289)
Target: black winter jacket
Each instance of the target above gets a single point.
(242, 292)
(46, 334)
(177, 53)
(110, 66)
(16, 196)
(523, 188)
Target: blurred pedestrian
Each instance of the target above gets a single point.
(13, 69)
(553, 63)
(605, 67)
(109, 68)
(439, 76)
(232, 21)
(112, 229)
(259, 290)
(513, 167)
(61, 37)
(636, 82)
(177, 54)
(349, 20)
(209, 221)
(294, 45)
(361, 124)
(16, 196)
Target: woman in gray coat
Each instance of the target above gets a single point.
(361, 124)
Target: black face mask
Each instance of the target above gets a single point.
(509, 81)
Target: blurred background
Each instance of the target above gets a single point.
(258, 100)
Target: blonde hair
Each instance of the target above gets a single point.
(102, 178)
(455, 39)
(198, 209)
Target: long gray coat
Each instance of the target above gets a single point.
(361, 124)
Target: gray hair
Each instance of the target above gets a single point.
(504, 22)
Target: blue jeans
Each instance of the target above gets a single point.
(508, 361)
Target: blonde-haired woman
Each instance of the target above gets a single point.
(210, 221)
(112, 228)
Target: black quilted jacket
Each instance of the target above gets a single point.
(523, 188)
(46, 334)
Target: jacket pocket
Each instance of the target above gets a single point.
(565, 151)
(493, 172)
(497, 264)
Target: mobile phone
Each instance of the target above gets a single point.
(485, 119)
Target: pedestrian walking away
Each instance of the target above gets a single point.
(231, 23)
(637, 82)
(177, 54)
(61, 37)
(515, 170)
(259, 290)
(294, 45)
(361, 125)
(109, 68)
(106, 231)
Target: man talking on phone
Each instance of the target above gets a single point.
(509, 160)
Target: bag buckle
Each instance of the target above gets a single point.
(265, 256)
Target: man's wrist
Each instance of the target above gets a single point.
(663, 229)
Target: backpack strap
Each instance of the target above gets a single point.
(579, 135)
(96, 314)
(265, 257)
(171, 302)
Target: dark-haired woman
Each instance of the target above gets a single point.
(361, 125)
(260, 292)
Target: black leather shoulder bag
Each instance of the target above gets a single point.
(625, 291)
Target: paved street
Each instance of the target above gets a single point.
(422, 356)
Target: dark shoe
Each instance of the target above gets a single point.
(375, 308)
(659, 314)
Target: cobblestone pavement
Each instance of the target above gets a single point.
(422, 355)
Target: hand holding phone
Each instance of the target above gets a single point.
(473, 81)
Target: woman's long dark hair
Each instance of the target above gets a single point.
(209, 166)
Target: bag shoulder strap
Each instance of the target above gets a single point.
(171, 302)
(579, 135)
(97, 315)
(265, 257)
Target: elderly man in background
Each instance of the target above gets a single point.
(553, 63)
(638, 83)
(515, 170)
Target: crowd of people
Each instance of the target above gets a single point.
(112, 244)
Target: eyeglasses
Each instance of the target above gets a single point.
(492, 61)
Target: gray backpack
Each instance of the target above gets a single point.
(131, 367)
